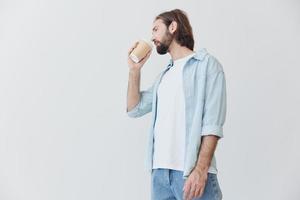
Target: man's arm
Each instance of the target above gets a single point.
(137, 101)
(133, 91)
(207, 149)
(196, 183)
(212, 129)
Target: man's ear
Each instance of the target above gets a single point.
(173, 27)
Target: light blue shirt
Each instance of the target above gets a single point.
(205, 106)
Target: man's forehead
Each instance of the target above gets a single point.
(157, 22)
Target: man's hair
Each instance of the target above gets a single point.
(184, 33)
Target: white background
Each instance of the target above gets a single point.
(64, 132)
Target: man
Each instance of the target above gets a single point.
(188, 105)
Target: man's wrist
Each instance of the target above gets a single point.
(134, 71)
(202, 167)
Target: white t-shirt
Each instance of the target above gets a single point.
(169, 130)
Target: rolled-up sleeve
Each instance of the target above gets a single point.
(145, 104)
(214, 105)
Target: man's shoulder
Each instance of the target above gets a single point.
(209, 61)
(201, 54)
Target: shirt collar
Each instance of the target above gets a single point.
(199, 55)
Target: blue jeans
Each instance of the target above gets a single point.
(167, 184)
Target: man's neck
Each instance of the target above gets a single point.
(177, 52)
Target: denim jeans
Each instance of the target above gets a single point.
(167, 184)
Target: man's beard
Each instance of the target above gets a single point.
(165, 44)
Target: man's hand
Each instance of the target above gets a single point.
(195, 184)
(137, 66)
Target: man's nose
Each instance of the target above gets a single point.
(152, 38)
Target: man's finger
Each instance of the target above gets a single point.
(197, 192)
(185, 195)
(201, 191)
(187, 188)
(131, 49)
(191, 193)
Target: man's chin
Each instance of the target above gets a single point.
(161, 52)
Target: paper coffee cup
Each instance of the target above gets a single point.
(141, 50)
